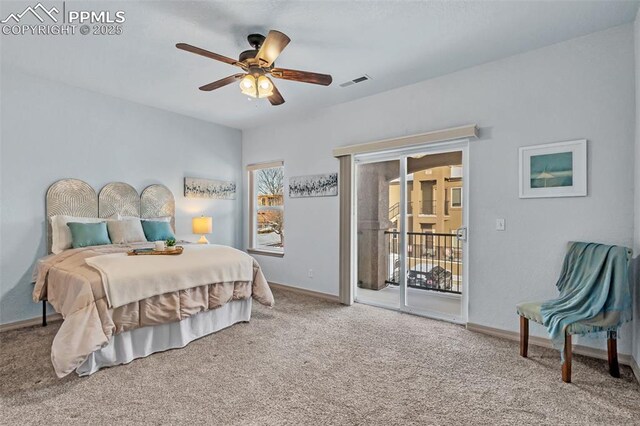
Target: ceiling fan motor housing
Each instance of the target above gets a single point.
(255, 40)
(247, 54)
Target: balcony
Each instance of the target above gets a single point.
(434, 261)
(428, 207)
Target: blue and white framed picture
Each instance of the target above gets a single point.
(554, 170)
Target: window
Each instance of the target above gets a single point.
(426, 227)
(456, 197)
(266, 217)
(456, 172)
(428, 190)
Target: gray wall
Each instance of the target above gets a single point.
(50, 131)
(581, 88)
(636, 250)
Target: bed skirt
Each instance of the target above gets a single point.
(141, 342)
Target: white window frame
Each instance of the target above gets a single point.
(253, 209)
(451, 197)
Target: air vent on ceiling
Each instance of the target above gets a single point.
(355, 80)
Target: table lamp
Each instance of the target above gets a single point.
(202, 225)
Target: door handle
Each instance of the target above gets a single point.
(461, 234)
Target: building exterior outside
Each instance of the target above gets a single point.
(270, 226)
(434, 198)
(434, 213)
(270, 200)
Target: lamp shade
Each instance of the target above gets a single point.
(265, 87)
(248, 86)
(202, 225)
(256, 86)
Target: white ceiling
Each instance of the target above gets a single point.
(395, 42)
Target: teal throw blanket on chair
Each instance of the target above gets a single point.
(594, 280)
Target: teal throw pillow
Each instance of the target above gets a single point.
(88, 234)
(157, 231)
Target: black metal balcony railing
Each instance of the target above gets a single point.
(428, 207)
(434, 261)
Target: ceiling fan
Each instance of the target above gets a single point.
(257, 64)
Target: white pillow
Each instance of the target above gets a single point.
(126, 231)
(61, 234)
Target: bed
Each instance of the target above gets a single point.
(117, 308)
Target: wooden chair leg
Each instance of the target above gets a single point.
(524, 336)
(612, 351)
(566, 365)
(44, 313)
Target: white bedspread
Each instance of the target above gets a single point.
(128, 279)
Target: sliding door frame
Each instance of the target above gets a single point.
(401, 155)
(345, 154)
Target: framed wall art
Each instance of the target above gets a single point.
(325, 185)
(209, 188)
(554, 170)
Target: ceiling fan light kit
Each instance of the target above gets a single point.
(260, 87)
(257, 64)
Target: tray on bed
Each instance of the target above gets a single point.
(151, 251)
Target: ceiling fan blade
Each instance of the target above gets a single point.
(303, 76)
(271, 48)
(221, 83)
(206, 53)
(276, 98)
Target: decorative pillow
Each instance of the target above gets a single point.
(126, 231)
(89, 234)
(157, 231)
(61, 234)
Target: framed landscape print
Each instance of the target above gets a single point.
(554, 170)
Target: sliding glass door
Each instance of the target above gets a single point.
(411, 231)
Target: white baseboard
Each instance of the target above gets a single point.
(546, 343)
(29, 322)
(306, 292)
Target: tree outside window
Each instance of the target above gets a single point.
(268, 184)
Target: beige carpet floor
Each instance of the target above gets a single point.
(308, 361)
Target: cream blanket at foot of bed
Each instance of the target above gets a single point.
(128, 279)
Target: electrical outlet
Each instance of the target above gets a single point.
(500, 226)
(310, 273)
